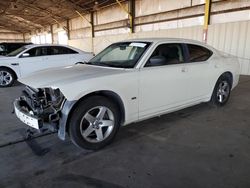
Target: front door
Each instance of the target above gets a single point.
(163, 81)
(33, 60)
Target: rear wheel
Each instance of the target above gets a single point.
(221, 91)
(94, 123)
(7, 77)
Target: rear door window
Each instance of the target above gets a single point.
(198, 53)
(60, 50)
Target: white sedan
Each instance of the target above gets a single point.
(127, 82)
(31, 58)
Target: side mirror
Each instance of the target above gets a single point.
(82, 62)
(25, 55)
(157, 61)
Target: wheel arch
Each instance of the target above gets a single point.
(15, 74)
(226, 73)
(106, 93)
(229, 75)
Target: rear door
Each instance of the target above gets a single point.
(62, 56)
(199, 71)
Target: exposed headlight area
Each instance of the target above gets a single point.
(43, 103)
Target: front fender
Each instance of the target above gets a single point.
(67, 107)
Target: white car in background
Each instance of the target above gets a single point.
(127, 82)
(34, 57)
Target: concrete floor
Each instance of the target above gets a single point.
(196, 147)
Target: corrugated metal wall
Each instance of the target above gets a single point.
(9, 36)
(187, 32)
(232, 38)
(228, 32)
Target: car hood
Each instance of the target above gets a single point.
(6, 57)
(56, 77)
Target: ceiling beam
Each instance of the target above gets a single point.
(17, 23)
(17, 18)
(10, 28)
(76, 6)
(53, 15)
(25, 21)
(20, 14)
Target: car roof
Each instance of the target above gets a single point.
(16, 43)
(165, 40)
(67, 46)
(41, 45)
(178, 40)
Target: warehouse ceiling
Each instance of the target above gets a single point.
(28, 15)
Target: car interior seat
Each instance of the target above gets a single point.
(173, 55)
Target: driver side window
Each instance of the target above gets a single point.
(166, 54)
(38, 51)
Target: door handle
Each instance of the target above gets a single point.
(15, 64)
(183, 69)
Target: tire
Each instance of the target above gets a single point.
(222, 91)
(7, 77)
(94, 123)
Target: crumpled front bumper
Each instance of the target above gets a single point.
(39, 124)
(33, 121)
(27, 117)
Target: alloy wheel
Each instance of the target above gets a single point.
(223, 91)
(5, 78)
(97, 124)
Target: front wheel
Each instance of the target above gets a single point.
(94, 123)
(221, 91)
(7, 77)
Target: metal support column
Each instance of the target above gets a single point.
(24, 37)
(52, 34)
(132, 13)
(91, 22)
(92, 30)
(131, 18)
(68, 30)
(206, 19)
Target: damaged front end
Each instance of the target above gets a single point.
(40, 108)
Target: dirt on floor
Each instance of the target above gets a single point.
(200, 146)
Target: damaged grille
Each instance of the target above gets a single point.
(44, 103)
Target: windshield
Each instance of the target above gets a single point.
(16, 52)
(121, 55)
